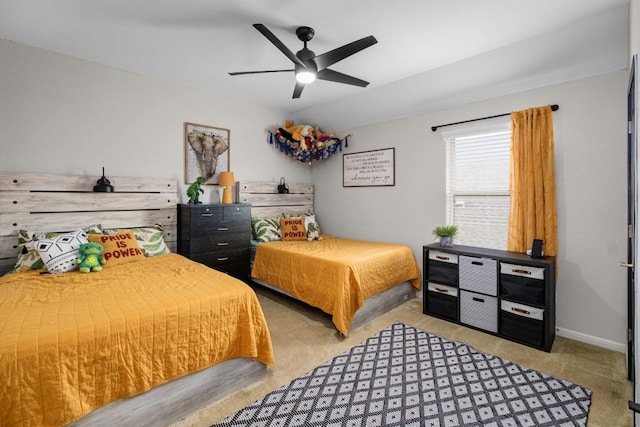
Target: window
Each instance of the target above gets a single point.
(478, 184)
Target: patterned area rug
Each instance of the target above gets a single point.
(403, 376)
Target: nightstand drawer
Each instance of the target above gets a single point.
(236, 213)
(198, 216)
(223, 231)
(225, 261)
(240, 271)
(220, 242)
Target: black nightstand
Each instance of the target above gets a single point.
(217, 235)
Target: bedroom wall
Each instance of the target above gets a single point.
(590, 148)
(64, 115)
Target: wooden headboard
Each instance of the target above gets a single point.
(266, 201)
(46, 202)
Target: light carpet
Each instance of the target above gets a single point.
(403, 376)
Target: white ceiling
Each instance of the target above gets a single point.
(430, 55)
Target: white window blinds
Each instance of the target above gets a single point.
(478, 184)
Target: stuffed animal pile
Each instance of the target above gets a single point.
(305, 141)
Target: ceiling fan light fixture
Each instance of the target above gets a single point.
(307, 65)
(305, 76)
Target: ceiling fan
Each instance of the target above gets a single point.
(308, 66)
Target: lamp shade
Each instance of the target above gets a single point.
(227, 179)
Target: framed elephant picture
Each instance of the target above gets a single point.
(206, 152)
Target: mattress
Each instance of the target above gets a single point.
(72, 342)
(333, 274)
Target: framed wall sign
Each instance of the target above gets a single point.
(206, 152)
(373, 168)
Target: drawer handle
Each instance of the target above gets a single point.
(518, 270)
(223, 258)
(446, 258)
(478, 299)
(223, 229)
(477, 263)
(444, 291)
(520, 310)
(207, 214)
(222, 243)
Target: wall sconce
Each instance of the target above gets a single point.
(103, 185)
(227, 180)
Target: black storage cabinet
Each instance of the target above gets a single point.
(216, 235)
(525, 306)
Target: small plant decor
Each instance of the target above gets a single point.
(446, 233)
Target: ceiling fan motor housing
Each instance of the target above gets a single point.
(305, 34)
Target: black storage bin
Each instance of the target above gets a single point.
(521, 328)
(443, 272)
(522, 284)
(442, 304)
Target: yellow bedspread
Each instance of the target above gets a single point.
(72, 342)
(333, 274)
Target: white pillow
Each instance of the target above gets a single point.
(60, 253)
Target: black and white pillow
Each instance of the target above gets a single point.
(61, 252)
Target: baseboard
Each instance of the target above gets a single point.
(590, 339)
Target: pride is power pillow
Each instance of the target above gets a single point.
(118, 248)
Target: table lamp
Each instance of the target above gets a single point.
(227, 180)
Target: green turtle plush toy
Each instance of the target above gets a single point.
(91, 258)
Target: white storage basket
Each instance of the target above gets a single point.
(479, 310)
(479, 275)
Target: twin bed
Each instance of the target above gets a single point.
(151, 340)
(353, 281)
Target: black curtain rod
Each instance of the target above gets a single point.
(554, 107)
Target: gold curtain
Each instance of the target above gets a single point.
(533, 184)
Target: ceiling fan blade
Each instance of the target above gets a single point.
(297, 91)
(237, 73)
(329, 58)
(334, 76)
(276, 41)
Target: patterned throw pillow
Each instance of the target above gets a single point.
(266, 229)
(312, 228)
(293, 229)
(60, 253)
(150, 239)
(119, 248)
(28, 257)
